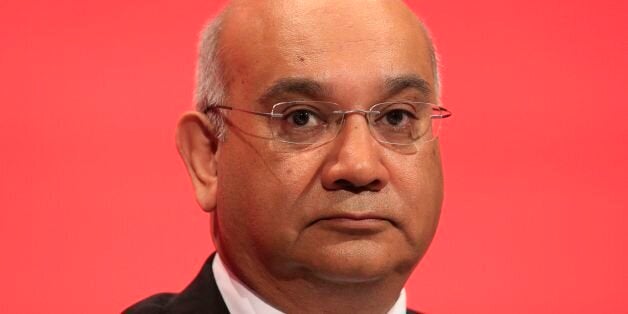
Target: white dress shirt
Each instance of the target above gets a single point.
(241, 300)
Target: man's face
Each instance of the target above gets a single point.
(352, 209)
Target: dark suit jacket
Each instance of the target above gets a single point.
(201, 296)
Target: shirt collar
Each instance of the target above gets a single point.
(240, 299)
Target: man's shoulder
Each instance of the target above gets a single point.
(154, 304)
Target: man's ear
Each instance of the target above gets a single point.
(198, 147)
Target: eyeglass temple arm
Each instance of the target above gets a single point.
(446, 113)
(265, 114)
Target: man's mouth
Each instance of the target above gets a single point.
(354, 223)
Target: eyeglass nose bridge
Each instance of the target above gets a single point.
(360, 111)
(364, 113)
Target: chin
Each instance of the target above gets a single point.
(360, 261)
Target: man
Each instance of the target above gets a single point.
(314, 150)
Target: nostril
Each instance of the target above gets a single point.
(343, 184)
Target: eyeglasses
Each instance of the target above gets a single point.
(319, 122)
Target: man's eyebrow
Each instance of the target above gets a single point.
(302, 86)
(396, 85)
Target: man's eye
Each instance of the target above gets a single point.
(398, 117)
(302, 118)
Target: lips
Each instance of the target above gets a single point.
(354, 222)
(353, 216)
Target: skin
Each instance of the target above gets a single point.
(344, 222)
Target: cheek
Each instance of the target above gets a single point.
(257, 190)
(420, 186)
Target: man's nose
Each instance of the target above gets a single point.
(356, 160)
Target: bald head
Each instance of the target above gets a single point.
(297, 31)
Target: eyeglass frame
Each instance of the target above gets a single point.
(343, 113)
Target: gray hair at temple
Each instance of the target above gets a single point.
(211, 89)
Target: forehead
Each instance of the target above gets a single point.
(350, 45)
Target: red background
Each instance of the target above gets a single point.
(97, 211)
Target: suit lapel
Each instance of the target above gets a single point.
(200, 296)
